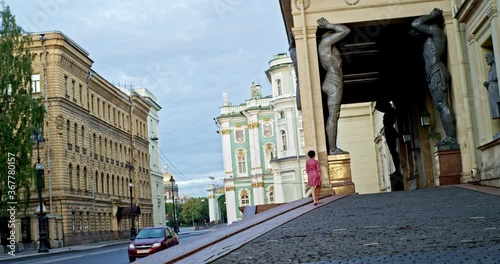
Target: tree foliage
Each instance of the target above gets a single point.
(19, 112)
(195, 209)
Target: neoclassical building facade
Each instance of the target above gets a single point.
(93, 130)
(383, 61)
(263, 157)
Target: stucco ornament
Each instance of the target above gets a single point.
(351, 2)
(306, 4)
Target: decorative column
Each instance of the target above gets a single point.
(231, 203)
(279, 196)
(447, 165)
(226, 150)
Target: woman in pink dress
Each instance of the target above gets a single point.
(313, 176)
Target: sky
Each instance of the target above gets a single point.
(187, 53)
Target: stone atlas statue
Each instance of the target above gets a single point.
(492, 86)
(437, 75)
(333, 84)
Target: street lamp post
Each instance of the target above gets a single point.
(44, 242)
(172, 183)
(131, 185)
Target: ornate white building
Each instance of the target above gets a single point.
(262, 145)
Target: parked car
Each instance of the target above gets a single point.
(151, 240)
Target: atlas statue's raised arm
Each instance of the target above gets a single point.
(340, 31)
(421, 23)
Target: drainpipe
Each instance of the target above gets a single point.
(465, 94)
(42, 39)
(308, 76)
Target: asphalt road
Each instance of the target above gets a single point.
(115, 254)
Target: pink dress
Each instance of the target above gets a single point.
(313, 170)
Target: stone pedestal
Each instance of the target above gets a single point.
(490, 173)
(448, 166)
(339, 173)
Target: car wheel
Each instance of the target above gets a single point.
(131, 259)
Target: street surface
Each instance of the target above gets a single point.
(435, 225)
(115, 254)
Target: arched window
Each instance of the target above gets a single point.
(78, 177)
(284, 146)
(70, 176)
(107, 183)
(85, 179)
(76, 135)
(96, 182)
(83, 136)
(94, 144)
(244, 198)
(270, 194)
(241, 158)
(279, 87)
(102, 182)
(68, 130)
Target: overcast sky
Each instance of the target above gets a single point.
(185, 52)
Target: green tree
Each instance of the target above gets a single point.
(19, 112)
(195, 210)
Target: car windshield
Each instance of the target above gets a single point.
(151, 233)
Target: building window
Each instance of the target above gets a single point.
(281, 115)
(83, 136)
(73, 221)
(94, 143)
(85, 178)
(68, 128)
(80, 91)
(98, 102)
(65, 85)
(283, 141)
(73, 88)
(75, 135)
(267, 129)
(269, 154)
(239, 135)
(98, 223)
(242, 161)
(245, 198)
(35, 83)
(92, 103)
(270, 194)
(279, 87)
(87, 222)
(107, 183)
(78, 177)
(81, 221)
(70, 176)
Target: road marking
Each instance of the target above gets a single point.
(371, 244)
(372, 226)
(477, 217)
(337, 230)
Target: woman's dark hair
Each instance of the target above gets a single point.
(311, 154)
